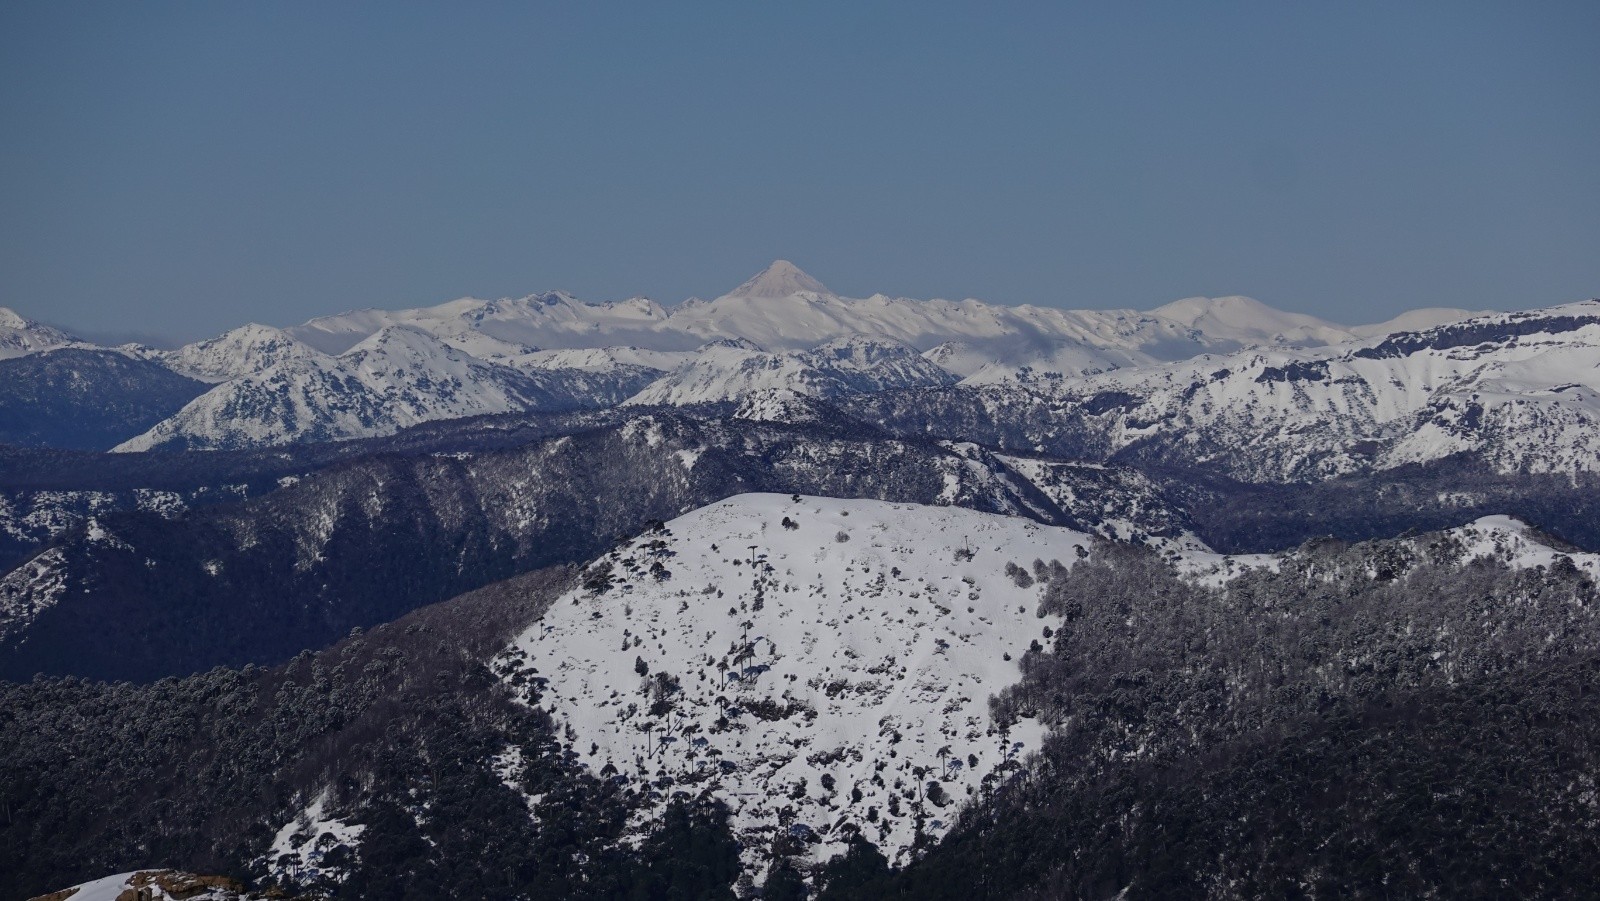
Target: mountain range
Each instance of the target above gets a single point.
(789, 595)
(373, 372)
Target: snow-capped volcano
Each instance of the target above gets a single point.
(780, 279)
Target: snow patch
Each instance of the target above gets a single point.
(302, 848)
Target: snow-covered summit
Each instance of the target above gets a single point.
(781, 279)
(250, 349)
(20, 335)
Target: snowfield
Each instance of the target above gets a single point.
(817, 676)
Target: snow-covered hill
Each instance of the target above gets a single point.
(85, 398)
(824, 666)
(820, 663)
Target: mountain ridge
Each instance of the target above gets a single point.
(318, 381)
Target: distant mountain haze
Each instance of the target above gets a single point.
(783, 333)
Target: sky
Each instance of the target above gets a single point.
(170, 170)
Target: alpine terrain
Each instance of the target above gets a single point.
(786, 594)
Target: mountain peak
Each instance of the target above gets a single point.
(781, 279)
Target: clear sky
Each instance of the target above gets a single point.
(177, 169)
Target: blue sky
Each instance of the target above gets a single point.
(176, 169)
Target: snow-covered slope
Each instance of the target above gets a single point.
(1516, 544)
(419, 378)
(730, 369)
(1114, 502)
(279, 391)
(1249, 321)
(824, 666)
(550, 320)
(314, 399)
(1417, 320)
(20, 335)
(1244, 318)
(303, 848)
(1520, 390)
(602, 359)
(816, 662)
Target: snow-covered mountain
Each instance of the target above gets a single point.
(245, 351)
(783, 308)
(279, 390)
(552, 320)
(20, 335)
(827, 656)
(373, 372)
(730, 369)
(1520, 391)
(824, 666)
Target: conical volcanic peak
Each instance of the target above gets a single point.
(781, 279)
